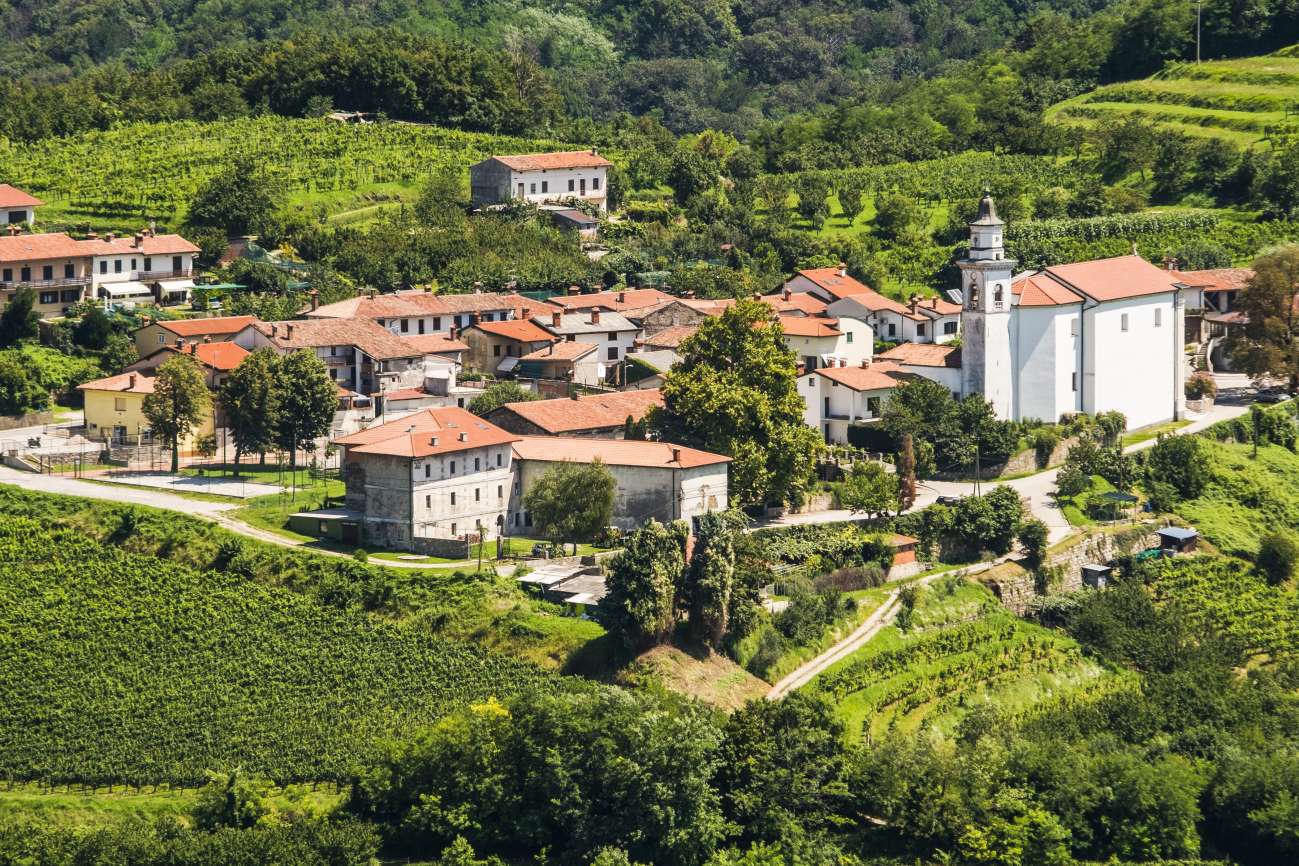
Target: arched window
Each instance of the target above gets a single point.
(997, 295)
(974, 292)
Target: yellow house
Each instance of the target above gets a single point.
(115, 411)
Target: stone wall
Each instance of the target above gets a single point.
(1018, 464)
(31, 419)
(1015, 586)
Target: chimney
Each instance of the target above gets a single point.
(595, 151)
(478, 287)
(13, 230)
(1134, 249)
(843, 362)
(464, 437)
(193, 348)
(288, 331)
(314, 294)
(574, 396)
(786, 294)
(451, 332)
(180, 343)
(108, 238)
(369, 293)
(865, 363)
(638, 344)
(275, 329)
(575, 290)
(757, 296)
(595, 316)
(433, 441)
(622, 297)
(93, 236)
(843, 269)
(207, 338)
(913, 302)
(556, 319)
(676, 455)
(130, 382)
(138, 240)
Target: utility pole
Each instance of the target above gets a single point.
(1198, 5)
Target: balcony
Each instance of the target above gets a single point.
(168, 274)
(63, 283)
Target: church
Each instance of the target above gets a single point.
(1085, 337)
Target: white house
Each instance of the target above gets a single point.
(611, 333)
(141, 268)
(921, 320)
(416, 313)
(941, 363)
(361, 356)
(439, 474)
(1084, 337)
(656, 480)
(837, 398)
(17, 207)
(827, 342)
(540, 178)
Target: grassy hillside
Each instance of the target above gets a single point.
(118, 178)
(120, 667)
(961, 648)
(1242, 100)
(1247, 498)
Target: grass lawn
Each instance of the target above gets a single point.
(1247, 497)
(1076, 509)
(1145, 434)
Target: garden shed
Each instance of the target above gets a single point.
(1177, 539)
(1096, 575)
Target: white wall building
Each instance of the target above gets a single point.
(841, 397)
(17, 207)
(921, 320)
(540, 178)
(418, 313)
(613, 334)
(1085, 337)
(141, 268)
(827, 342)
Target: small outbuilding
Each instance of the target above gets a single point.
(1177, 539)
(1096, 575)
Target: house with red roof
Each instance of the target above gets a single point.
(541, 178)
(819, 342)
(144, 268)
(51, 264)
(837, 399)
(1084, 337)
(16, 206)
(496, 347)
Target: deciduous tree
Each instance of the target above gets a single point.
(307, 399)
(250, 403)
(869, 490)
(572, 502)
(710, 578)
(19, 320)
(1267, 346)
(641, 604)
(179, 403)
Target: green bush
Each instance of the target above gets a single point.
(1278, 554)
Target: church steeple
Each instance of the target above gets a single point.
(986, 232)
(986, 367)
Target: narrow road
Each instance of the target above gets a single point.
(881, 617)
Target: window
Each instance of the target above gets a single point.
(478, 463)
(545, 186)
(8, 275)
(177, 263)
(333, 372)
(1123, 322)
(70, 296)
(478, 495)
(69, 271)
(25, 275)
(428, 470)
(612, 336)
(437, 323)
(132, 264)
(811, 381)
(949, 327)
(148, 263)
(103, 266)
(405, 325)
(893, 329)
(873, 405)
(1073, 326)
(453, 497)
(428, 501)
(595, 183)
(453, 467)
(453, 529)
(119, 404)
(162, 338)
(1159, 317)
(849, 336)
(570, 184)
(613, 353)
(920, 329)
(532, 189)
(47, 273)
(421, 326)
(498, 458)
(117, 266)
(496, 351)
(49, 297)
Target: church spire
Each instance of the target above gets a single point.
(987, 211)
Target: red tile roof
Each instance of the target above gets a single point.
(628, 299)
(123, 383)
(872, 377)
(39, 247)
(1039, 290)
(405, 394)
(923, 355)
(521, 330)
(558, 159)
(218, 356)
(150, 245)
(368, 336)
(671, 338)
(1115, 279)
(807, 326)
(941, 306)
(798, 302)
(1216, 279)
(588, 412)
(416, 303)
(564, 350)
(205, 327)
(12, 196)
(613, 452)
(443, 430)
(837, 285)
(433, 344)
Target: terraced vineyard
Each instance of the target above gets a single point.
(1246, 100)
(962, 648)
(153, 170)
(121, 668)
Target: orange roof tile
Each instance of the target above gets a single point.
(807, 326)
(1216, 279)
(219, 356)
(522, 330)
(588, 412)
(871, 377)
(416, 303)
(205, 327)
(12, 196)
(365, 334)
(124, 383)
(798, 302)
(671, 338)
(38, 247)
(1040, 290)
(923, 355)
(1115, 279)
(443, 430)
(150, 245)
(941, 306)
(627, 299)
(613, 452)
(558, 159)
(564, 350)
(837, 285)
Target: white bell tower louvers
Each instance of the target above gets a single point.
(986, 364)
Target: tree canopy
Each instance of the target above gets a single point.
(179, 404)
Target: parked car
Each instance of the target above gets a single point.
(1272, 395)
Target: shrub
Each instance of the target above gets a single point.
(1201, 385)
(1044, 441)
(1180, 461)
(1278, 553)
(1033, 537)
(852, 578)
(771, 646)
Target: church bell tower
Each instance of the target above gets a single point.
(986, 363)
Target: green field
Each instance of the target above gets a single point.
(121, 667)
(119, 178)
(961, 649)
(1245, 101)
(1247, 497)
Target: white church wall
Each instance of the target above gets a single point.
(1045, 359)
(1132, 362)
